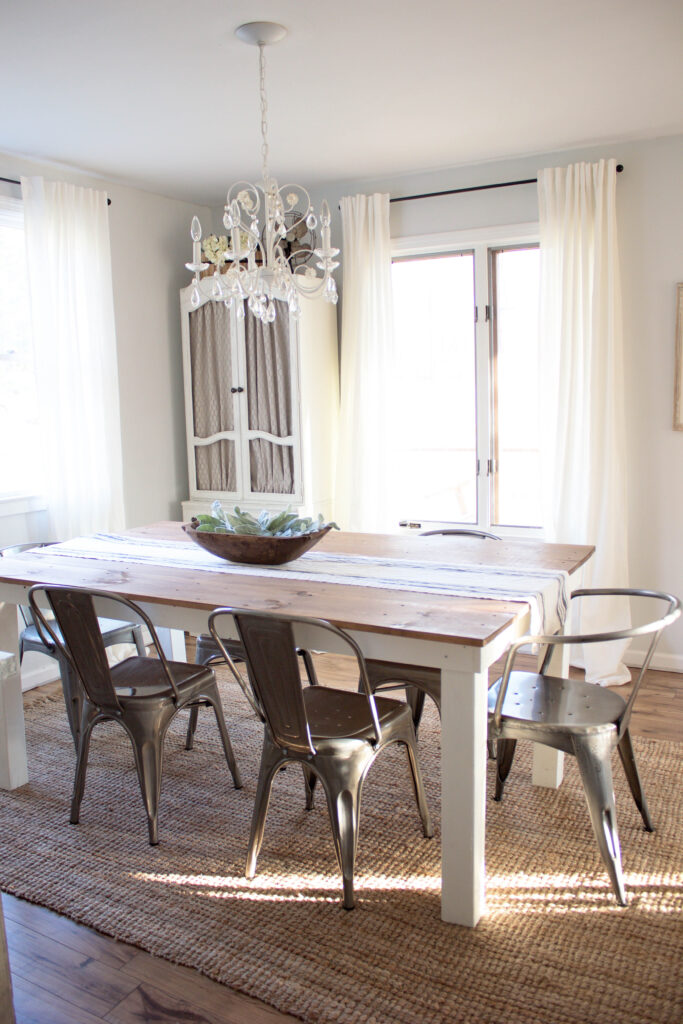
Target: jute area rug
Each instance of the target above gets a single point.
(553, 948)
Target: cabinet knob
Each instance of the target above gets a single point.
(236, 391)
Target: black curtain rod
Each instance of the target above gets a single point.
(13, 181)
(472, 188)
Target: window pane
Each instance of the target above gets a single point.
(19, 434)
(436, 387)
(517, 494)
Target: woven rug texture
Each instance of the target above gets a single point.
(554, 947)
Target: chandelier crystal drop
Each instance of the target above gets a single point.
(265, 254)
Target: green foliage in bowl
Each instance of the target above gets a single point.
(266, 524)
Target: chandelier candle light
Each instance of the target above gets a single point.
(257, 264)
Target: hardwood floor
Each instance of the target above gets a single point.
(63, 973)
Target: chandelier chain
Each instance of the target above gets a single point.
(264, 109)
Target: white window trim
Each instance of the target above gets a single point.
(447, 241)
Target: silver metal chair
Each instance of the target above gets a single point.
(334, 734)
(113, 632)
(207, 652)
(578, 718)
(418, 681)
(142, 694)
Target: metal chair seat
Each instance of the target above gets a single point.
(334, 734)
(142, 694)
(571, 705)
(145, 678)
(347, 715)
(579, 718)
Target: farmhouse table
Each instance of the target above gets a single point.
(462, 636)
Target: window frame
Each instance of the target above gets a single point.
(482, 242)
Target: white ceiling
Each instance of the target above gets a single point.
(160, 93)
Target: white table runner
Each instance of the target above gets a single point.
(545, 591)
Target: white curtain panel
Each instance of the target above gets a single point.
(365, 471)
(72, 311)
(583, 392)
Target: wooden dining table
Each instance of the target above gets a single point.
(462, 636)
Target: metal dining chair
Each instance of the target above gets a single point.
(334, 734)
(207, 652)
(142, 694)
(113, 632)
(418, 681)
(579, 718)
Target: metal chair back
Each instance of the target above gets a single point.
(274, 672)
(460, 531)
(81, 641)
(273, 668)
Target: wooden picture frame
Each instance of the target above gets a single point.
(678, 378)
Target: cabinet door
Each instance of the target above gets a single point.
(213, 423)
(271, 453)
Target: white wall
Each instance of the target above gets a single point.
(150, 243)
(650, 211)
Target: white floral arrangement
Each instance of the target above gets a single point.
(214, 249)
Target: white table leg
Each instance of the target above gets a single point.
(463, 798)
(13, 767)
(173, 643)
(548, 764)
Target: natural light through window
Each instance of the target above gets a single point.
(515, 364)
(465, 387)
(19, 435)
(435, 377)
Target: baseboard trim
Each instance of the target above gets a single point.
(660, 662)
(30, 678)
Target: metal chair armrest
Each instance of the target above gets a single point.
(655, 626)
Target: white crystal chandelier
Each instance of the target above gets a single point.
(269, 250)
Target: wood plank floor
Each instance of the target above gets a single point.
(63, 973)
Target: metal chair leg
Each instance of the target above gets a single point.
(81, 768)
(415, 698)
(418, 786)
(271, 759)
(147, 737)
(192, 726)
(310, 667)
(343, 800)
(225, 740)
(505, 753)
(593, 755)
(310, 782)
(139, 641)
(628, 760)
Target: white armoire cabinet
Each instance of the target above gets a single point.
(261, 407)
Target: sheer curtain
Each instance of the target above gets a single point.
(365, 470)
(582, 390)
(72, 312)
